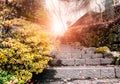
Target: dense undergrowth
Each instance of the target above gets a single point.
(96, 34)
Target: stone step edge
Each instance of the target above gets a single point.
(79, 55)
(95, 81)
(77, 62)
(82, 72)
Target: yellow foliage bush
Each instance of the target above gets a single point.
(24, 47)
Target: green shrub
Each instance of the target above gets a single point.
(6, 78)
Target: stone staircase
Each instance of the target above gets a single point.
(80, 65)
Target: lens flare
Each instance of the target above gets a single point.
(58, 28)
(64, 13)
(58, 24)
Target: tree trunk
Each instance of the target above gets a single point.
(6, 1)
(109, 13)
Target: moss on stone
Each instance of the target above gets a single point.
(101, 49)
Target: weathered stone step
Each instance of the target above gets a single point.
(78, 62)
(95, 81)
(77, 55)
(82, 72)
(70, 52)
(69, 48)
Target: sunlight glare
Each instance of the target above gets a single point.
(58, 29)
(58, 23)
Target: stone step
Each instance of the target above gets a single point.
(94, 81)
(77, 55)
(69, 48)
(71, 52)
(81, 72)
(78, 62)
